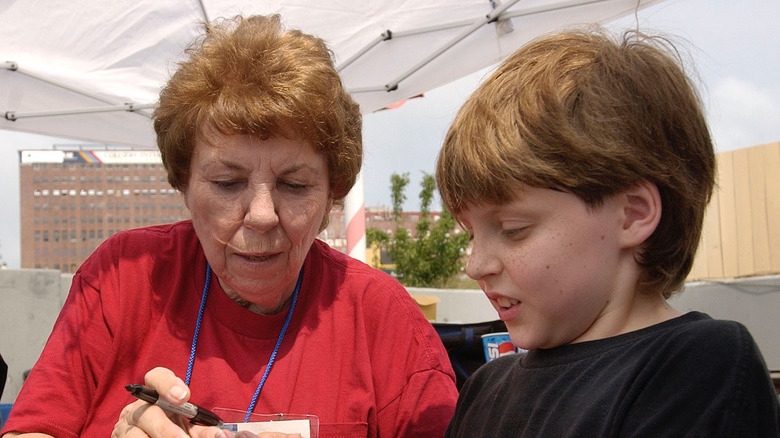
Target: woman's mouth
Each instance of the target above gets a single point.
(261, 258)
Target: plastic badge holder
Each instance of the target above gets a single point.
(307, 425)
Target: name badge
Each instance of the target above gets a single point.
(306, 425)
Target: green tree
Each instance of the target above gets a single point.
(435, 253)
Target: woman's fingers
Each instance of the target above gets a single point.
(169, 386)
(143, 420)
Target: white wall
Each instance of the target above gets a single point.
(753, 301)
(459, 306)
(30, 301)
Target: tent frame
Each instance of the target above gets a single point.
(499, 13)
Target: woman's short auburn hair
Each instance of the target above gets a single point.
(585, 113)
(251, 76)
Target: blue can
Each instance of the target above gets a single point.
(497, 345)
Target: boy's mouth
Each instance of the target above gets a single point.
(506, 302)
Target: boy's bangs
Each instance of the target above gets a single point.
(476, 172)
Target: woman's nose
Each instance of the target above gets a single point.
(261, 214)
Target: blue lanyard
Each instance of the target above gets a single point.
(273, 354)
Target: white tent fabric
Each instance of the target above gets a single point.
(91, 69)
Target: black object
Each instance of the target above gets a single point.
(464, 345)
(195, 413)
(3, 374)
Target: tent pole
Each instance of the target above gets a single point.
(115, 106)
(203, 11)
(131, 107)
(355, 220)
(15, 68)
(489, 18)
(499, 13)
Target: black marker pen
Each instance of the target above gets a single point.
(194, 413)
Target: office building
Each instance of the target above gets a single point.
(72, 200)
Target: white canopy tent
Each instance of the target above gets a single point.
(91, 70)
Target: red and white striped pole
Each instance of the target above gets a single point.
(355, 218)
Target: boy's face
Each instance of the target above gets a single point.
(551, 267)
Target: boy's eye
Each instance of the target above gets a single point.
(514, 233)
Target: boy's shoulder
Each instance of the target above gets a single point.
(692, 363)
(694, 339)
(699, 332)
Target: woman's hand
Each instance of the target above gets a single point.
(141, 419)
(245, 434)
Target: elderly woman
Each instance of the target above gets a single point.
(241, 307)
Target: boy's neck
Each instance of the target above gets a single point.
(641, 311)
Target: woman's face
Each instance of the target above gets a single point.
(257, 206)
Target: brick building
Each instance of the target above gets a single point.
(74, 199)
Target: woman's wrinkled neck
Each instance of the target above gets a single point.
(255, 308)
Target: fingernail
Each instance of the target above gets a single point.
(178, 392)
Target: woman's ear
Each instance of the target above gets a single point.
(641, 213)
(326, 216)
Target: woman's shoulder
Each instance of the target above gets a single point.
(169, 244)
(378, 295)
(172, 233)
(348, 270)
(155, 239)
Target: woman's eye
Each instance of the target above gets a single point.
(224, 184)
(294, 186)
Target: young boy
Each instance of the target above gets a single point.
(581, 169)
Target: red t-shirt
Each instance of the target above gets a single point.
(358, 352)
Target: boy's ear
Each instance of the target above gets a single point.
(641, 213)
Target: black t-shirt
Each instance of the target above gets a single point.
(689, 376)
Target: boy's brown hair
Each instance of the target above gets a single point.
(581, 112)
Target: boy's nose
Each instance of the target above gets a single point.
(261, 215)
(482, 262)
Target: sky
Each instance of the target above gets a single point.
(734, 46)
